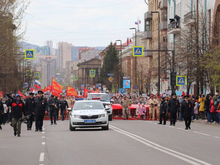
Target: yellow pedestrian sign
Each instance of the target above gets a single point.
(36, 74)
(138, 51)
(92, 73)
(28, 73)
(29, 54)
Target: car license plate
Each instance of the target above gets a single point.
(89, 121)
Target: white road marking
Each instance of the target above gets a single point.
(180, 128)
(217, 137)
(43, 129)
(43, 132)
(43, 137)
(41, 159)
(43, 143)
(201, 133)
(156, 146)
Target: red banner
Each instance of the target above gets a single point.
(49, 88)
(1, 94)
(21, 94)
(55, 93)
(85, 92)
(56, 86)
(71, 92)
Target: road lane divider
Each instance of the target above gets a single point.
(181, 156)
(41, 159)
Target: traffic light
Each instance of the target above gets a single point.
(173, 79)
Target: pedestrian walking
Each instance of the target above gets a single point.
(53, 106)
(187, 112)
(125, 105)
(63, 106)
(173, 106)
(18, 110)
(163, 111)
(40, 108)
(152, 103)
(29, 110)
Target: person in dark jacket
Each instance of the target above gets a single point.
(17, 110)
(53, 109)
(29, 110)
(207, 108)
(163, 111)
(173, 107)
(187, 112)
(63, 105)
(40, 108)
(1, 113)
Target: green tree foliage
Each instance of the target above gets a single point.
(111, 61)
(211, 62)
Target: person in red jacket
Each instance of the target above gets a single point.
(17, 110)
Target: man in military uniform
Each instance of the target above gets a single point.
(163, 111)
(53, 105)
(187, 112)
(29, 109)
(40, 108)
(63, 105)
(173, 106)
(125, 105)
(152, 103)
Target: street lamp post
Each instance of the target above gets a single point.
(135, 59)
(120, 63)
(158, 49)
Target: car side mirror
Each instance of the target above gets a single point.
(69, 109)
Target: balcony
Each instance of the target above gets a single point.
(190, 18)
(148, 16)
(163, 26)
(147, 35)
(148, 54)
(163, 4)
(174, 28)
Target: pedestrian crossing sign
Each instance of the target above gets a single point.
(138, 51)
(75, 78)
(36, 74)
(181, 80)
(29, 54)
(92, 73)
(28, 73)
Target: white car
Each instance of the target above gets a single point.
(88, 113)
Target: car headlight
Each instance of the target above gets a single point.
(76, 116)
(107, 106)
(102, 115)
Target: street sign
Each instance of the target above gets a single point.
(75, 78)
(138, 51)
(181, 80)
(29, 54)
(39, 78)
(28, 73)
(136, 87)
(92, 73)
(110, 79)
(121, 90)
(126, 84)
(36, 74)
(111, 74)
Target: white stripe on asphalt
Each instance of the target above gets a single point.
(201, 133)
(43, 137)
(43, 143)
(43, 132)
(168, 151)
(41, 159)
(217, 137)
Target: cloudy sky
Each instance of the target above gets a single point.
(82, 22)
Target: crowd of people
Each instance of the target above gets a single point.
(174, 108)
(15, 109)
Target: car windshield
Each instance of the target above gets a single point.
(101, 97)
(88, 105)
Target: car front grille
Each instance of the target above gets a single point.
(90, 117)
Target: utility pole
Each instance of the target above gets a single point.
(121, 76)
(197, 47)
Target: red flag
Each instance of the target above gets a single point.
(1, 94)
(56, 86)
(49, 88)
(71, 92)
(115, 44)
(21, 94)
(32, 89)
(85, 92)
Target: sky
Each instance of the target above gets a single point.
(82, 22)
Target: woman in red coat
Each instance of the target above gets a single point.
(212, 110)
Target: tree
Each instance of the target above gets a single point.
(111, 62)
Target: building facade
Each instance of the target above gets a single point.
(64, 54)
(87, 55)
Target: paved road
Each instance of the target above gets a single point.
(127, 142)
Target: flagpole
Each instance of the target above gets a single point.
(138, 24)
